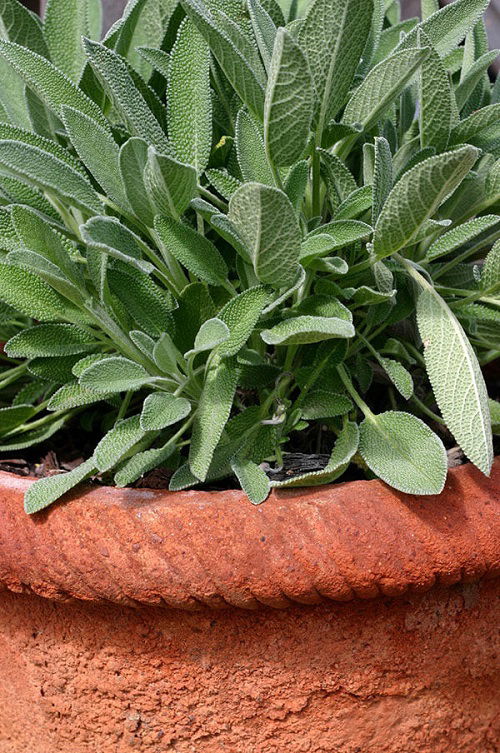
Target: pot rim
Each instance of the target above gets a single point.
(193, 549)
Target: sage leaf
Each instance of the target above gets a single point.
(251, 151)
(53, 87)
(289, 102)
(267, 223)
(307, 329)
(382, 176)
(161, 410)
(189, 99)
(213, 332)
(44, 492)
(324, 404)
(115, 374)
(333, 36)
(117, 443)
(490, 275)
(66, 22)
(50, 340)
(252, 478)
(30, 295)
(170, 184)
(435, 95)
(456, 378)
(417, 195)
(404, 452)
(141, 463)
(240, 315)
(343, 451)
(211, 416)
(196, 253)
(381, 86)
(460, 235)
(132, 161)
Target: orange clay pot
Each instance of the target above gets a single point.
(344, 619)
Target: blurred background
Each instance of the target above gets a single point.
(114, 8)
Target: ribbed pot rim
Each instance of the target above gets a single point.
(193, 549)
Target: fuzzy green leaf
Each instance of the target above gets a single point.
(29, 294)
(213, 332)
(14, 416)
(117, 443)
(66, 22)
(115, 374)
(48, 490)
(333, 36)
(460, 235)
(268, 225)
(73, 395)
(161, 410)
(112, 70)
(417, 195)
(188, 96)
(17, 24)
(456, 378)
(194, 251)
(252, 479)
(52, 86)
(109, 236)
(324, 404)
(435, 96)
(50, 340)
(307, 329)
(212, 414)
(170, 184)
(289, 102)
(404, 452)
(240, 315)
(381, 87)
(342, 454)
(490, 274)
(233, 62)
(132, 161)
(251, 151)
(141, 463)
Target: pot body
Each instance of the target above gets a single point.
(415, 674)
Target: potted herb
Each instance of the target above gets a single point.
(247, 245)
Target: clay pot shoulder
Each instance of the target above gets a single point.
(193, 549)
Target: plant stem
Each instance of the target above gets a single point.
(353, 393)
(209, 196)
(422, 406)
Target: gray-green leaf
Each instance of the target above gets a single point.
(267, 223)
(44, 492)
(404, 452)
(307, 329)
(161, 410)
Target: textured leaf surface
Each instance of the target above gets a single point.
(382, 176)
(289, 102)
(128, 100)
(449, 25)
(240, 315)
(14, 416)
(307, 329)
(404, 452)
(132, 160)
(235, 65)
(170, 184)
(66, 22)
(43, 170)
(333, 36)
(52, 86)
(212, 414)
(50, 340)
(399, 376)
(115, 374)
(142, 463)
(268, 225)
(324, 404)
(460, 235)
(196, 253)
(381, 86)
(456, 378)
(29, 294)
(491, 269)
(161, 409)
(188, 96)
(117, 442)
(251, 151)
(417, 195)
(213, 332)
(435, 95)
(17, 24)
(98, 151)
(47, 490)
(110, 236)
(252, 478)
(73, 395)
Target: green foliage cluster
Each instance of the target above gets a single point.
(232, 225)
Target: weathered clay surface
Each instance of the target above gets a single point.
(415, 674)
(347, 541)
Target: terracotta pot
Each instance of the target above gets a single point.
(388, 643)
